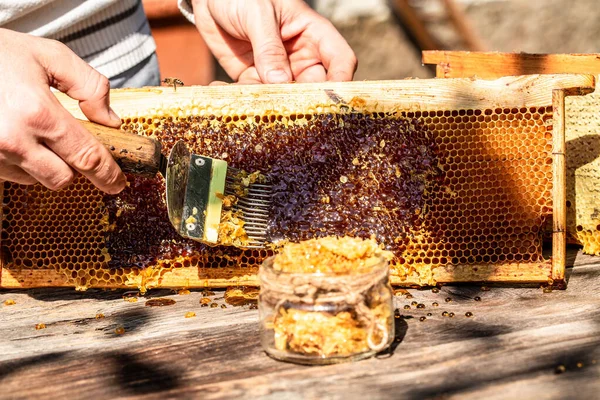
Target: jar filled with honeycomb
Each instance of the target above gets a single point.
(325, 301)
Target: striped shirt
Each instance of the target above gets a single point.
(111, 35)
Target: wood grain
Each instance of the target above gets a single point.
(559, 186)
(493, 65)
(510, 348)
(191, 277)
(137, 154)
(406, 95)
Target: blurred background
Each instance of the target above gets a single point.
(388, 35)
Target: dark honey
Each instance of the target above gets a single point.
(160, 302)
(240, 296)
(350, 174)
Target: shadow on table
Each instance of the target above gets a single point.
(62, 294)
(473, 378)
(139, 377)
(13, 367)
(400, 329)
(127, 371)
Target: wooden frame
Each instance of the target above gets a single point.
(494, 65)
(582, 126)
(397, 96)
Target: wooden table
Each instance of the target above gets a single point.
(514, 346)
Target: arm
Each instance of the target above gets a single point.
(39, 140)
(273, 41)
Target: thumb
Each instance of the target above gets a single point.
(73, 76)
(270, 57)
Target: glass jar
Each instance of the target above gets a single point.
(316, 318)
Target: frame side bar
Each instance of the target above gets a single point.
(559, 188)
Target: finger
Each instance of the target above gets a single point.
(315, 73)
(76, 146)
(249, 77)
(47, 168)
(342, 68)
(336, 55)
(270, 57)
(73, 76)
(12, 173)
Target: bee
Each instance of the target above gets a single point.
(172, 81)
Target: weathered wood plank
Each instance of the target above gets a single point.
(492, 65)
(406, 95)
(511, 346)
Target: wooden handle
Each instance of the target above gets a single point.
(136, 154)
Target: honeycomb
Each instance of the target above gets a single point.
(582, 130)
(438, 188)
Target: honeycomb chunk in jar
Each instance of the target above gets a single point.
(326, 300)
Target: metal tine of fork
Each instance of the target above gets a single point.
(256, 239)
(262, 225)
(251, 209)
(260, 221)
(256, 232)
(249, 227)
(266, 195)
(255, 208)
(249, 205)
(251, 189)
(253, 201)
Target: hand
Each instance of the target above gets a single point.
(39, 140)
(273, 41)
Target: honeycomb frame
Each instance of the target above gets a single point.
(582, 126)
(433, 99)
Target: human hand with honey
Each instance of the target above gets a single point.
(39, 139)
(273, 41)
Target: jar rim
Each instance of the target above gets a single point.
(379, 265)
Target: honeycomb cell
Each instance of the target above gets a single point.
(450, 186)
